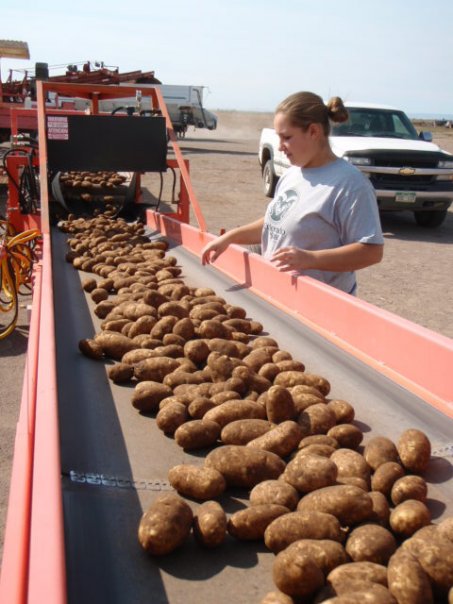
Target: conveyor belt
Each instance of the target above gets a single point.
(115, 460)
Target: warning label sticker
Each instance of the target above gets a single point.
(57, 127)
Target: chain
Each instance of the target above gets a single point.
(119, 482)
(443, 451)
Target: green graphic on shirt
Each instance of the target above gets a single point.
(281, 206)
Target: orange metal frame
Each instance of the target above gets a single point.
(33, 565)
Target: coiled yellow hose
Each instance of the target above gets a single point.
(16, 265)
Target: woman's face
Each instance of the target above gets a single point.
(300, 147)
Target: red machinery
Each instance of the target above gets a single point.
(71, 530)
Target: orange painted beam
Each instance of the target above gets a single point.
(412, 356)
(15, 562)
(47, 567)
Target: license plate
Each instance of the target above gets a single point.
(405, 197)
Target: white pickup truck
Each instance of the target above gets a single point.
(407, 170)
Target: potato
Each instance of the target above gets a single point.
(89, 284)
(301, 525)
(155, 369)
(318, 439)
(252, 380)
(310, 472)
(276, 597)
(165, 525)
(146, 341)
(175, 309)
(282, 439)
(409, 487)
(178, 377)
(445, 528)
(114, 345)
(197, 434)
(211, 328)
(120, 373)
(407, 580)
(414, 449)
(371, 543)
(296, 574)
(317, 419)
(234, 410)
(303, 399)
(322, 450)
(197, 351)
(435, 555)
(381, 509)
(224, 396)
(135, 310)
(242, 431)
(199, 406)
(358, 571)
(347, 436)
(171, 417)
(350, 504)
(359, 592)
(385, 476)
(241, 325)
(343, 410)
(222, 346)
(350, 463)
(264, 341)
(245, 466)
(143, 325)
(98, 294)
(163, 326)
(259, 357)
(184, 328)
(288, 379)
(210, 524)
(139, 354)
(279, 404)
(274, 491)
(250, 524)
(148, 394)
(409, 516)
(91, 349)
(197, 482)
(354, 480)
(379, 450)
(326, 553)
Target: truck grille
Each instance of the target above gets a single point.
(403, 159)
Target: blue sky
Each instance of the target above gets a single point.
(251, 54)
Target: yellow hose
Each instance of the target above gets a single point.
(16, 265)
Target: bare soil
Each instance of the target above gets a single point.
(414, 280)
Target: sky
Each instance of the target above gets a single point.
(252, 54)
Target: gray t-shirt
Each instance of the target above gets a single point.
(322, 208)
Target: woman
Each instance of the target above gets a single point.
(323, 221)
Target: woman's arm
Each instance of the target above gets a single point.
(246, 234)
(349, 257)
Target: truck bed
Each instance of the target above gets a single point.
(115, 461)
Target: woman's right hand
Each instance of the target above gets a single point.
(212, 250)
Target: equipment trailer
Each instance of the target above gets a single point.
(87, 464)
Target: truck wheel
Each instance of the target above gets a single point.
(430, 218)
(269, 178)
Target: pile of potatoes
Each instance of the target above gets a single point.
(347, 520)
(92, 186)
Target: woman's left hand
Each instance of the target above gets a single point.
(292, 259)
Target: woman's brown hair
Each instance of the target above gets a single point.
(305, 108)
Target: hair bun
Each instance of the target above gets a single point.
(336, 110)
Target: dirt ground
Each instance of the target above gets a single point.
(414, 280)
